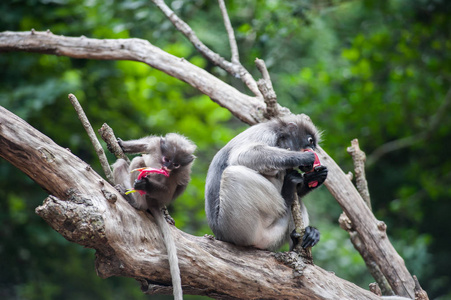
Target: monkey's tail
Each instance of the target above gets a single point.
(172, 252)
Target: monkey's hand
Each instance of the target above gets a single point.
(141, 184)
(307, 161)
(294, 177)
(319, 174)
(110, 148)
(149, 185)
(120, 142)
(310, 239)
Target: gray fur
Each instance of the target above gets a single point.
(243, 203)
(161, 190)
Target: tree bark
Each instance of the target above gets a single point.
(87, 210)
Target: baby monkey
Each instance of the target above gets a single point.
(173, 156)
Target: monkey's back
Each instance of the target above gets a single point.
(260, 133)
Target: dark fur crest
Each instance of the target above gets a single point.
(293, 133)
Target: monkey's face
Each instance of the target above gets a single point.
(175, 154)
(298, 142)
(297, 135)
(168, 164)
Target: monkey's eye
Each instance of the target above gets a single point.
(176, 166)
(165, 159)
(311, 141)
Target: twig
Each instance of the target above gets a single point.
(434, 122)
(235, 69)
(306, 254)
(110, 139)
(420, 294)
(230, 33)
(359, 157)
(266, 88)
(92, 136)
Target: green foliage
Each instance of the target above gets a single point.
(374, 70)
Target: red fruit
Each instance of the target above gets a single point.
(316, 163)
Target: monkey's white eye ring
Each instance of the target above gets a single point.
(311, 140)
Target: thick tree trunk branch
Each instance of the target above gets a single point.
(251, 109)
(128, 243)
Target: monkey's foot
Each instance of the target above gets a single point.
(295, 238)
(167, 216)
(121, 189)
(310, 239)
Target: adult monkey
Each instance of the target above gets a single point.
(251, 183)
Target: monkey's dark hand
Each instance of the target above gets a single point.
(110, 148)
(319, 174)
(119, 141)
(308, 159)
(141, 184)
(294, 177)
(310, 239)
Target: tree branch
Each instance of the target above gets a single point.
(359, 158)
(110, 139)
(250, 108)
(233, 68)
(371, 231)
(267, 90)
(92, 136)
(232, 41)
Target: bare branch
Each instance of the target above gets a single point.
(235, 69)
(230, 33)
(267, 90)
(370, 263)
(92, 136)
(110, 139)
(247, 109)
(420, 294)
(359, 157)
(306, 254)
(371, 231)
